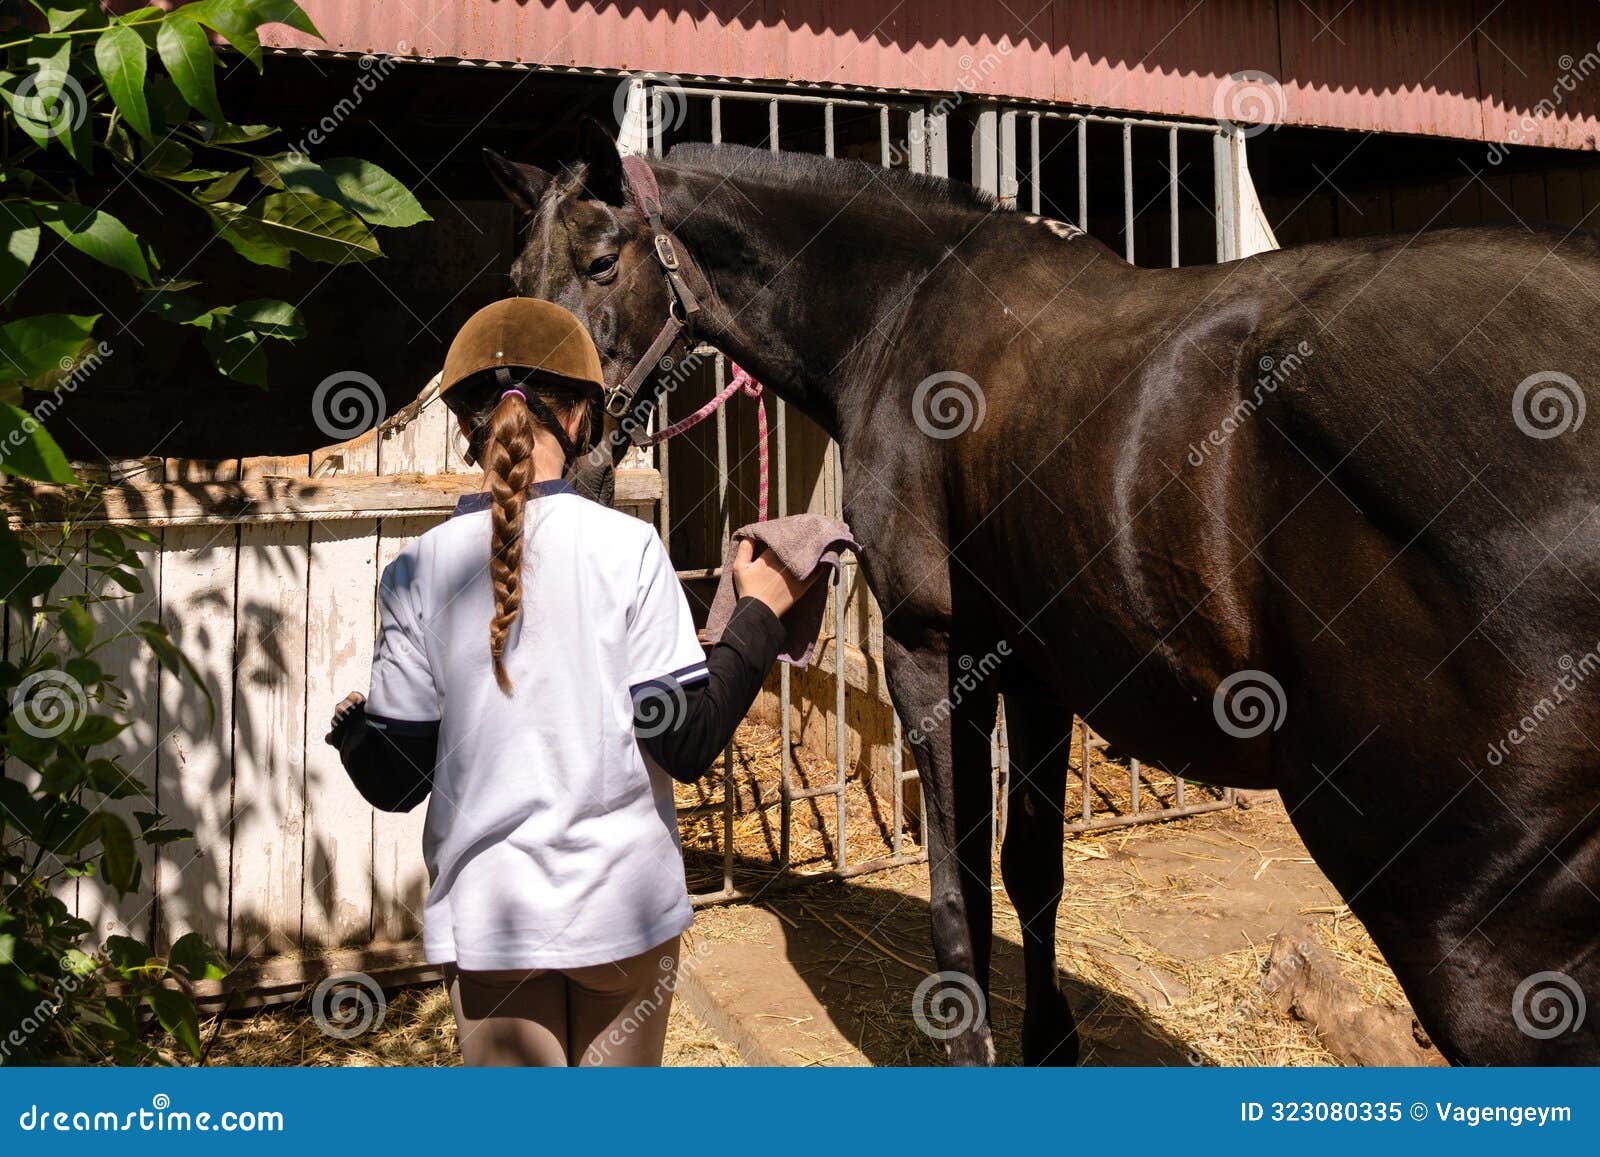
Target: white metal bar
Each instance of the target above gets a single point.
(1033, 162)
(917, 140)
(985, 152)
(1006, 162)
(1226, 195)
(1172, 191)
(938, 142)
(1083, 175)
(1127, 191)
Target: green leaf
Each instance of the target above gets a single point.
(317, 228)
(358, 185)
(107, 543)
(38, 582)
(46, 343)
(119, 862)
(66, 16)
(19, 242)
(140, 15)
(372, 192)
(239, 357)
(119, 54)
(78, 625)
(110, 779)
(169, 158)
(86, 671)
(197, 959)
(248, 236)
(93, 730)
(269, 318)
(176, 1013)
(187, 54)
(96, 234)
(222, 188)
(214, 134)
(28, 450)
(18, 808)
(46, 101)
(126, 953)
(124, 578)
(62, 775)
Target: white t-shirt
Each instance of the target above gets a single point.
(549, 840)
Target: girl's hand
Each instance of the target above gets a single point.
(354, 699)
(762, 576)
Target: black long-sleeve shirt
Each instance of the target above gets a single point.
(394, 772)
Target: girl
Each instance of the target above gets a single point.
(537, 670)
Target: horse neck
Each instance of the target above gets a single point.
(799, 289)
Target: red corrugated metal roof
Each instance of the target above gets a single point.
(1528, 72)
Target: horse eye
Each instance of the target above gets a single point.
(601, 266)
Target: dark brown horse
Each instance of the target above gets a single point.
(1323, 520)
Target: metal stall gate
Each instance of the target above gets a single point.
(913, 133)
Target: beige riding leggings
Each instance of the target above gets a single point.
(607, 1014)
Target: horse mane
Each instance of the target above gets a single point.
(816, 172)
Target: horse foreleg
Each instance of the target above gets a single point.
(950, 739)
(1030, 863)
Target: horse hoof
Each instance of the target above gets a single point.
(972, 1049)
(1050, 1038)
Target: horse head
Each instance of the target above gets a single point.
(590, 247)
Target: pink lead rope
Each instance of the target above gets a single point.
(741, 381)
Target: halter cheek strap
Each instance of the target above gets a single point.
(682, 311)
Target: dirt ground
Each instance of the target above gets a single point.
(1163, 933)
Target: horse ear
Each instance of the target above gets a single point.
(602, 180)
(524, 184)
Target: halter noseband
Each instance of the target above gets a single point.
(682, 311)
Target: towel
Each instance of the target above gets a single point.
(803, 543)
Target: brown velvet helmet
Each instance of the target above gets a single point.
(524, 333)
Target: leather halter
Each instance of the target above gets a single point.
(682, 311)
